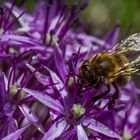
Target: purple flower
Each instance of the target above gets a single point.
(50, 21)
(70, 113)
(128, 122)
(40, 93)
(8, 108)
(72, 118)
(14, 112)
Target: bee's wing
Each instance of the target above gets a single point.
(130, 44)
(130, 47)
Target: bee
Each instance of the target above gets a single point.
(114, 67)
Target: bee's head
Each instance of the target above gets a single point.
(93, 80)
(96, 81)
(90, 75)
(102, 80)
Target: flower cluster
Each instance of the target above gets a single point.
(40, 95)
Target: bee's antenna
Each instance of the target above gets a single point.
(102, 79)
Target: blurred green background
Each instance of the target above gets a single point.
(101, 15)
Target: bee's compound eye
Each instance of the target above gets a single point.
(93, 80)
(102, 80)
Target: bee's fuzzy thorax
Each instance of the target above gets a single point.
(107, 65)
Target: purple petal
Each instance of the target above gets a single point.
(60, 85)
(56, 130)
(15, 135)
(88, 40)
(101, 128)
(23, 19)
(2, 89)
(6, 55)
(43, 79)
(60, 64)
(31, 117)
(69, 134)
(81, 134)
(112, 36)
(46, 100)
(17, 38)
(7, 126)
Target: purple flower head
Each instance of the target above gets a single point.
(41, 95)
(70, 111)
(9, 108)
(128, 122)
(14, 110)
(50, 21)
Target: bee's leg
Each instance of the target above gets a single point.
(80, 83)
(114, 97)
(96, 98)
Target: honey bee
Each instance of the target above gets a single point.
(114, 67)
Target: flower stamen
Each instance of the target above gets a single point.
(78, 110)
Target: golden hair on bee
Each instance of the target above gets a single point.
(114, 67)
